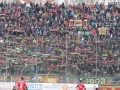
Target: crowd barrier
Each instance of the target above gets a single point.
(43, 78)
(47, 86)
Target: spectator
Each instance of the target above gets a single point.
(39, 32)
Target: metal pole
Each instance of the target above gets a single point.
(118, 62)
(7, 58)
(36, 58)
(96, 57)
(6, 69)
(119, 54)
(66, 57)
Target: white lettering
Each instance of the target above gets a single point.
(34, 86)
(52, 86)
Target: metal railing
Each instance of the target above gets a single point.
(53, 78)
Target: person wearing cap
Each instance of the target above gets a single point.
(80, 86)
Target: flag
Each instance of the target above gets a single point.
(102, 31)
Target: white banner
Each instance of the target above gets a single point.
(73, 86)
(47, 86)
(6, 85)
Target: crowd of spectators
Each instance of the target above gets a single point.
(42, 34)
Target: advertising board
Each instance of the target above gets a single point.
(73, 86)
(110, 88)
(54, 79)
(34, 86)
(51, 86)
(47, 86)
(49, 80)
(6, 85)
(102, 80)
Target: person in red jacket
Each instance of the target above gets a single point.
(80, 86)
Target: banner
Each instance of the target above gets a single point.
(34, 86)
(84, 24)
(73, 86)
(78, 40)
(6, 85)
(55, 79)
(40, 79)
(47, 78)
(50, 80)
(102, 31)
(14, 78)
(78, 23)
(100, 80)
(47, 86)
(75, 23)
(71, 23)
(109, 88)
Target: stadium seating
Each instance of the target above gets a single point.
(45, 34)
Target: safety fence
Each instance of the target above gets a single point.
(43, 78)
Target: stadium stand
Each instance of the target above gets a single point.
(39, 34)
